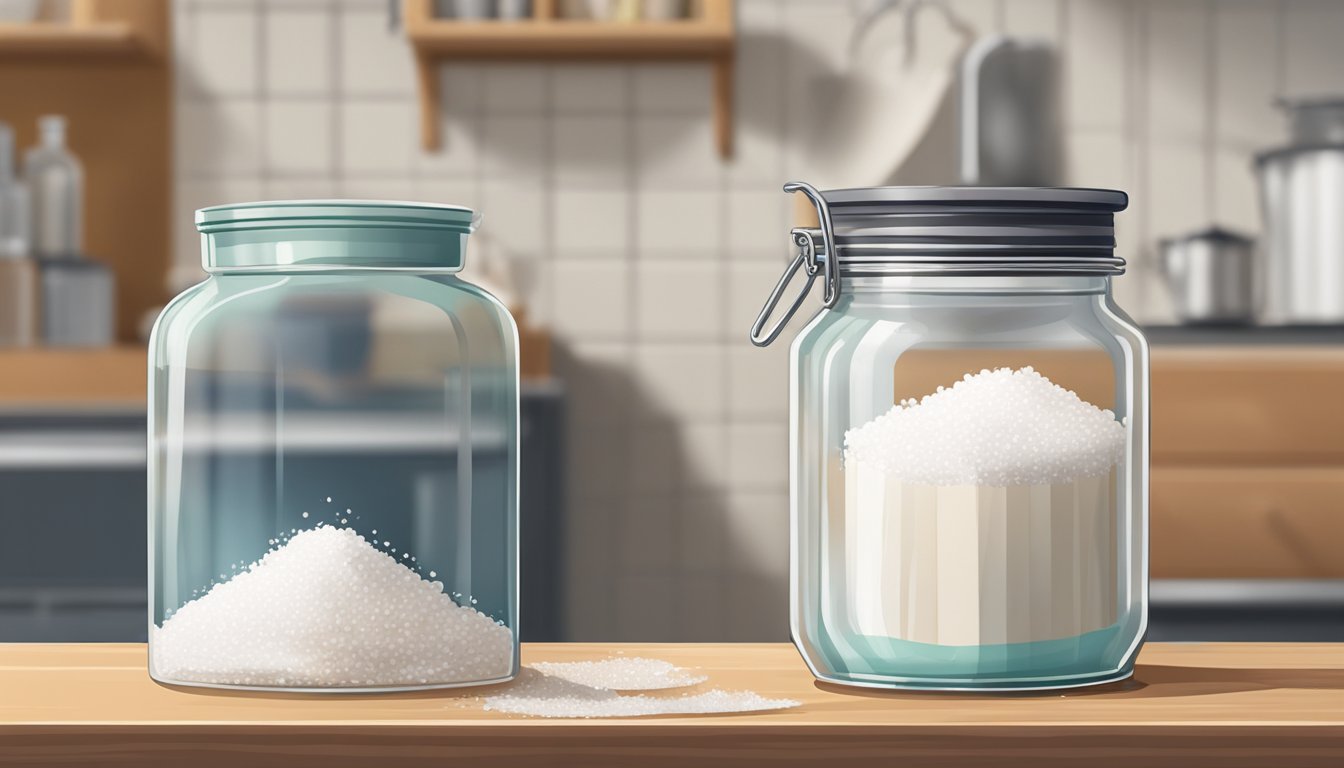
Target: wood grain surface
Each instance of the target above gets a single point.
(1247, 523)
(1188, 705)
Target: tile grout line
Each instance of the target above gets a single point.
(264, 110)
(726, 256)
(628, 495)
(1137, 130)
(1211, 84)
(336, 63)
(1281, 48)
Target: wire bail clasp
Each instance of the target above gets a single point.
(812, 257)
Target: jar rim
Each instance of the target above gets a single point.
(267, 214)
(1075, 198)
(313, 235)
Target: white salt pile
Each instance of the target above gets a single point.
(994, 428)
(327, 609)
(544, 695)
(621, 674)
(982, 514)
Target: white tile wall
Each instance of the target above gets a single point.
(653, 254)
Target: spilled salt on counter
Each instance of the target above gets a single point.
(328, 609)
(621, 674)
(582, 693)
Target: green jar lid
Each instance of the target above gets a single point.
(334, 234)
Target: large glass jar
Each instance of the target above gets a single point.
(333, 456)
(969, 485)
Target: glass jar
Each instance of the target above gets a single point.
(969, 484)
(333, 456)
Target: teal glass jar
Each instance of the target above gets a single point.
(333, 456)
(969, 482)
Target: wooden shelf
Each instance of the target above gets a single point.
(63, 377)
(108, 71)
(583, 39)
(64, 40)
(709, 37)
(40, 377)
(1227, 704)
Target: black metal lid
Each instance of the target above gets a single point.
(985, 230)
(945, 231)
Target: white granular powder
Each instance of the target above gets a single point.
(981, 515)
(542, 695)
(996, 428)
(327, 609)
(621, 674)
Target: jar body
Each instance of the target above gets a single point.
(940, 582)
(333, 482)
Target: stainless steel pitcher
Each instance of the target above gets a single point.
(1302, 200)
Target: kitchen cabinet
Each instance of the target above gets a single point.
(1212, 704)
(1247, 490)
(1247, 462)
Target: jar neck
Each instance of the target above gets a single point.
(335, 249)
(998, 285)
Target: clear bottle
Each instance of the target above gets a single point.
(333, 463)
(77, 293)
(56, 189)
(18, 274)
(959, 521)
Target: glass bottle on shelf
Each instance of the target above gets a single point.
(76, 292)
(18, 274)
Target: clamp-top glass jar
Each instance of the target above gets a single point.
(333, 456)
(970, 441)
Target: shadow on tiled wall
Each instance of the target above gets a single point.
(655, 549)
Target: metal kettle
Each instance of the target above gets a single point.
(1211, 276)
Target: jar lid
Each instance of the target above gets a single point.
(368, 213)
(946, 231)
(346, 234)
(974, 230)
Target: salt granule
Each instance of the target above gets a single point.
(543, 695)
(327, 609)
(997, 428)
(621, 674)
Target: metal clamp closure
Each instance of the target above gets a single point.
(815, 254)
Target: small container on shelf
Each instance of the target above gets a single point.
(466, 10)
(664, 10)
(514, 10)
(588, 10)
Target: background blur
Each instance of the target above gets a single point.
(639, 254)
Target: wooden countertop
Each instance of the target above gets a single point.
(1216, 704)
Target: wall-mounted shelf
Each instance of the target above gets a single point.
(65, 376)
(708, 36)
(43, 39)
(95, 28)
(107, 70)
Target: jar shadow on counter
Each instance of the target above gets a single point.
(464, 693)
(1149, 681)
(1125, 687)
